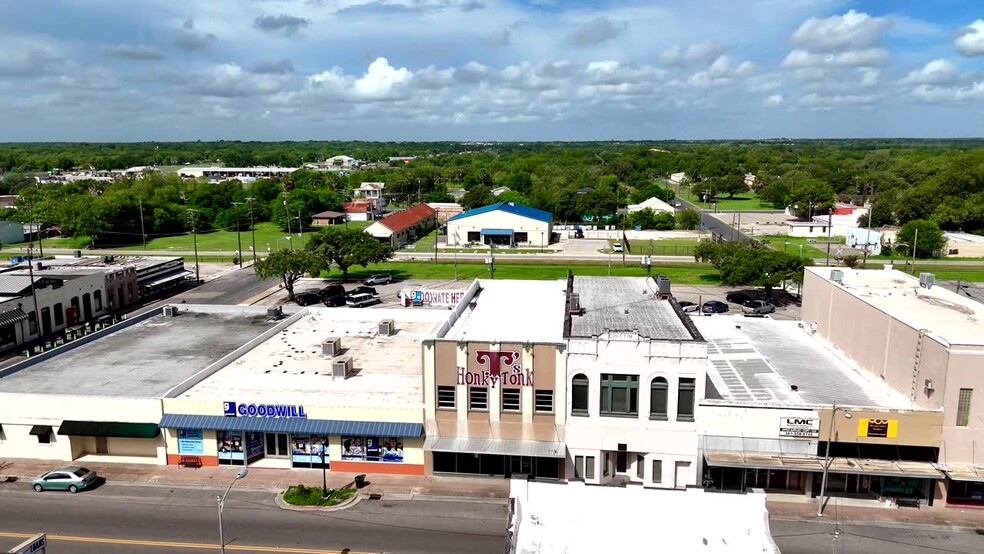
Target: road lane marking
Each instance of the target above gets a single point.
(175, 544)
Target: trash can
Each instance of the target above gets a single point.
(360, 481)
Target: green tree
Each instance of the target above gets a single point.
(644, 219)
(476, 197)
(775, 192)
(929, 241)
(664, 221)
(731, 185)
(687, 219)
(751, 263)
(290, 266)
(512, 196)
(346, 246)
(650, 190)
(810, 197)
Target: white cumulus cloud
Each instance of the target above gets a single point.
(851, 31)
(970, 41)
(773, 101)
(950, 95)
(934, 72)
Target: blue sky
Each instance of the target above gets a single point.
(101, 70)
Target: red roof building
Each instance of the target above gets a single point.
(403, 227)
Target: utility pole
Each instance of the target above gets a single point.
(34, 297)
(252, 227)
(491, 260)
(143, 234)
(287, 217)
(37, 187)
(830, 227)
(239, 237)
(300, 228)
(867, 238)
(192, 215)
(915, 241)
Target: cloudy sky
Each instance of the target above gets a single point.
(112, 70)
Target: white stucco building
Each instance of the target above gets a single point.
(654, 204)
(635, 369)
(503, 223)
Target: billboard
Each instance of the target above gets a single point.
(799, 427)
(439, 298)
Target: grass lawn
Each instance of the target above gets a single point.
(684, 273)
(746, 201)
(661, 247)
(300, 495)
(810, 249)
(425, 244)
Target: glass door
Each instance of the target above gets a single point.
(277, 445)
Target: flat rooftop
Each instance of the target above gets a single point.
(289, 367)
(97, 262)
(514, 311)
(625, 304)
(760, 362)
(941, 312)
(144, 359)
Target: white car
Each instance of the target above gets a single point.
(617, 247)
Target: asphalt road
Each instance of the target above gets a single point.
(820, 538)
(234, 287)
(138, 519)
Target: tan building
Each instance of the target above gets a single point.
(923, 341)
(494, 395)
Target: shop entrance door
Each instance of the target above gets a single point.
(277, 445)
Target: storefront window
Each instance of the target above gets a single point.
(306, 450)
(230, 446)
(190, 441)
(372, 449)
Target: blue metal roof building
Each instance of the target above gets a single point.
(502, 224)
(508, 207)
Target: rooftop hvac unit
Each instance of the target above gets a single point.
(341, 367)
(663, 285)
(837, 276)
(38, 266)
(575, 303)
(927, 280)
(331, 347)
(170, 311)
(77, 253)
(387, 327)
(275, 312)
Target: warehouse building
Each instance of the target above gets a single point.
(402, 228)
(501, 224)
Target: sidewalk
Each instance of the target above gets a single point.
(490, 489)
(953, 518)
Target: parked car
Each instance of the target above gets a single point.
(336, 301)
(379, 279)
(307, 299)
(363, 290)
(332, 290)
(361, 300)
(758, 307)
(688, 306)
(617, 247)
(714, 307)
(72, 479)
(737, 298)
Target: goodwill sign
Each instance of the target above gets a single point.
(232, 409)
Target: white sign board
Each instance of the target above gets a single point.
(33, 545)
(437, 298)
(801, 427)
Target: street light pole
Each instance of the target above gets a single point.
(239, 237)
(252, 226)
(826, 456)
(324, 469)
(34, 297)
(194, 233)
(221, 500)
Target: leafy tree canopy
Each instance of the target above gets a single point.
(346, 246)
(751, 263)
(290, 266)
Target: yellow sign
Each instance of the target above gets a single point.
(878, 428)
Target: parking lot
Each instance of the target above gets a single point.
(388, 294)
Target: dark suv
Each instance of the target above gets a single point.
(332, 290)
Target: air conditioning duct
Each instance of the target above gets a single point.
(341, 367)
(331, 347)
(387, 327)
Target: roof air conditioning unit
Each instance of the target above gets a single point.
(331, 347)
(927, 280)
(341, 367)
(837, 276)
(574, 304)
(387, 327)
(275, 312)
(663, 285)
(170, 311)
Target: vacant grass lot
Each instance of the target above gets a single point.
(746, 201)
(661, 247)
(684, 273)
(810, 249)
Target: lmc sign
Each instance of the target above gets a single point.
(802, 427)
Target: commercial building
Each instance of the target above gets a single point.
(404, 227)
(326, 218)
(372, 192)
(494, 382)
(635, 368)
(923, 341)
(360, 209)
(241, 173)
(655, 204)
(778, 401)
(504, 223)
(445, 210)
(11, 232)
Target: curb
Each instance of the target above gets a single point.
(858, 522)
(279, 500)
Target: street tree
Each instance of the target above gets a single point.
(347, 246)
(687, 219)
(290, 266)
(731, 185)
(751, 263)
(810, 197)
(476, 197)
(929, 241)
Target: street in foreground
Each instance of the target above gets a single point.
(827, 537)
(128, 518)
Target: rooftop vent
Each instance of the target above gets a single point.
(170, 311)
(40, 265)
(574, 304)
(837, 276)
(77, 253)
(927, 280)
(331, 347)
(387, 327)
(275, 312)
(341, 367)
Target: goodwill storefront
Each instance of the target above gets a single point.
(288, 436)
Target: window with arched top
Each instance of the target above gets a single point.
(579, 395)
(658, 392)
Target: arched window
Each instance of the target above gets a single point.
(658, 390)
(579, 395)
(97, 297)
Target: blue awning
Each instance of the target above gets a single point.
(293, 425)
(500, 232)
